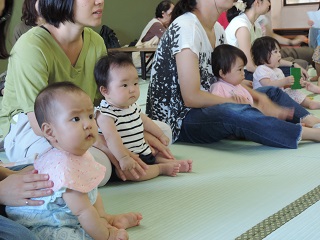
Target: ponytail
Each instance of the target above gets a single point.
(233, 12)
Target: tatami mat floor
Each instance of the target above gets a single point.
(234, 186)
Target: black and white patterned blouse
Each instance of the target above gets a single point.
(164, 100)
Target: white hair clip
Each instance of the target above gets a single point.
(240, 5)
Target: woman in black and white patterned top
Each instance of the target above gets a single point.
(181, 77)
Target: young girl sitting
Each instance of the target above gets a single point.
(228, 65)
(122, 123)
(266, 55)
(75, 211)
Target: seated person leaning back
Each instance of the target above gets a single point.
(155, 28)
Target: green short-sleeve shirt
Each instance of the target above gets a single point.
(37, 60)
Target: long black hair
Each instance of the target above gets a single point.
(183, 6)
(4, 23)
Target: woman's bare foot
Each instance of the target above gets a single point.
(310, 120)
(125, 220)
(169, 168)
(312, 88)
(185, 165)
(118, 234)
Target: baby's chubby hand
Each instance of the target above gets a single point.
(289, 80)
(164, 140)
(127, 163)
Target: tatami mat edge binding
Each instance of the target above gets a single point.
(278, 219)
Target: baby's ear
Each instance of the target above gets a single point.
(48, 132)
(221, 74)
(103, 90)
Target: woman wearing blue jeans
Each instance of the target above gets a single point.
(182, 75)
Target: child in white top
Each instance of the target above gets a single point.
(122, 123)
(266, 55)
(65, 115)
(228, 66)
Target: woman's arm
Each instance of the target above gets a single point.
(189, 77)
(285, 63)
(267, 107)
(291, 42)
(244, 42)
(287, 81)
(34, 123)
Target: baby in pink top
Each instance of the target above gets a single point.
(228, 66)
(65, 114)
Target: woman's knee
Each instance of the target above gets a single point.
(165, 129)
(103, 159)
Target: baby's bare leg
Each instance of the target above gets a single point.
(310, 104)
(185, 165)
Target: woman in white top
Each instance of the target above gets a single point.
(243, 30)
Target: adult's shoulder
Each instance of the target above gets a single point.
(238, 21)
(94, 36)
(20, 29)
(37, 39)
(186, 20)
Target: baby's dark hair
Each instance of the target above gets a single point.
(105, 63)
(262, 48)
(44, 105)
(224, 57)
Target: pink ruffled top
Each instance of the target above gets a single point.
(79, 173)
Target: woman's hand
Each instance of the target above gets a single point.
(136, 172)
(164, 139)
(18, 188)
(299, 39)
(157, 146)
(240, 99)
(269, 108)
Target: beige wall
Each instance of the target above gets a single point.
(126, 17)
(290, 16)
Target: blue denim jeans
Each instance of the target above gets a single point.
(11, 230)
(211, 124)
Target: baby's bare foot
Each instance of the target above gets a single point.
(312, 88)
(185, 165)
(125, 220)
(169, 169)
(118, 234)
